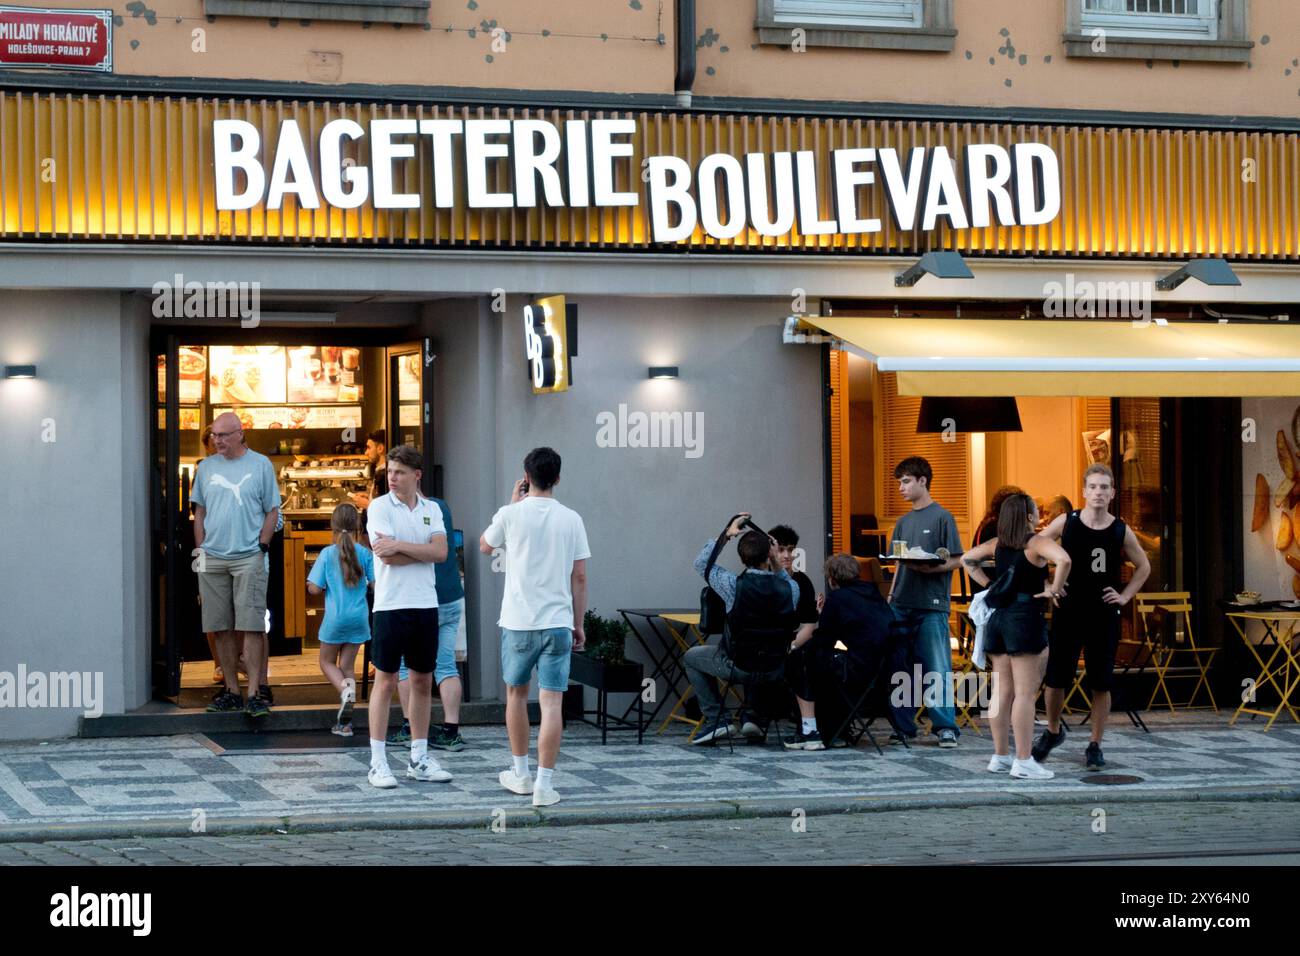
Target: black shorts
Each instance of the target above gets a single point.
(1017, 629)
(1095, 632)
(408, 632)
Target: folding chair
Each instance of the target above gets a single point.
(1175, 607)
(757, 662)
(963, 650)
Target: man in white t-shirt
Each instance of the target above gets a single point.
(408, 538)
(541, 614)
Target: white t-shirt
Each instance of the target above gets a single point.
(407, 585)
(542, 539)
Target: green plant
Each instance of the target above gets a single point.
(606, 637)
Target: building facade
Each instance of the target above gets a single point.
(367, 207)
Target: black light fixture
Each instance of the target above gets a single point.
(968, 415)
(1209, 271)
(20, 371)
(941, 265)
(663, 371)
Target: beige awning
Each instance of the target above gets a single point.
(1078, 357)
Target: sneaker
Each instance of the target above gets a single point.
(1093, 758)
(1047, 742)
(896, 739)
(427, 771)
(399, 737)
(1000, 763)
(515, 783)
(1030, 770)
(264, 692)
(257, 707)
(544, 796)
(225, 703)
(802, 741)
(947, 739)
(347, 700)
(751, 731)
(444, 741)
(381, 777)
(839, 742)
(710, 736)
(341, 730)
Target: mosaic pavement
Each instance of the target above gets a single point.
(166, 778)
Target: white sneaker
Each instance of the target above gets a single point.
(544, 796)
(515, 783)
(711, 735)
(347, 699)
(751, 730)
(381, 777)
(427, 771)
(341, 730)
(1030, 769)
(1000, 763)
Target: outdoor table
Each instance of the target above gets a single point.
(1288, 668)
(662, 649)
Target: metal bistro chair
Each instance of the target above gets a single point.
(1174, 608)
(759, 655)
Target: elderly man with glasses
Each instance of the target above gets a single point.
(237, 507)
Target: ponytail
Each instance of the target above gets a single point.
(346, 522)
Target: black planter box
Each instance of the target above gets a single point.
(610, 678)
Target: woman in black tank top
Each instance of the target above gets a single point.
(1016, 634)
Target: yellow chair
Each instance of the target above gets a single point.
(1178, 605)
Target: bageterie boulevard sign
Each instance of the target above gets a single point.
(578, 166)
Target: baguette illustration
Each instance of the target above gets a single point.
(1285, 533)
(1293, 562)
(1260, 517)
(1284, 456)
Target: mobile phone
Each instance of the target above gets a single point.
(523, 486)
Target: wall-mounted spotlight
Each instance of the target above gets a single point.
(663, 372)
(941, 265)
(1209, 271)
(20, 371)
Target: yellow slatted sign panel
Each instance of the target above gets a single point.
(950, 460)
(841, 438)
(97, 167)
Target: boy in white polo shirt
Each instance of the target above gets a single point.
(408, 538)
(541, 614)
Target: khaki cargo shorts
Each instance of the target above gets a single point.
(233, 593)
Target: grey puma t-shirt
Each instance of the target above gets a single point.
(236, 496)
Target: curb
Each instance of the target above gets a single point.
(636, 813)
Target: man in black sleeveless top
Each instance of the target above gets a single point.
(1089, 614)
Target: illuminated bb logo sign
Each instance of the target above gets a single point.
(550, 339)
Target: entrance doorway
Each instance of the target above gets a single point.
(308, 399)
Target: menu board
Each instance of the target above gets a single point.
(408, 378)
(246, 374)
(295, 416)
(325, 373)
(193, 364)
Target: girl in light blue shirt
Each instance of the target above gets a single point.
(342, 573)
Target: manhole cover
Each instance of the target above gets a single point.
(1111, 779)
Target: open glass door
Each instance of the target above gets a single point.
(166, 545)
(410, 395)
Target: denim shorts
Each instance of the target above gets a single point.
(449, 616)
(548, 650)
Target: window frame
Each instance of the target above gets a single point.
(1154, 26)
(1141, 38)
(415, 12)
(932, 29)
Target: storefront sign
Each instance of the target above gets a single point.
(63, 39)
(546, 344)
(295, 416)
(770, 193)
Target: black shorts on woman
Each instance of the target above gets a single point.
(1020, 627)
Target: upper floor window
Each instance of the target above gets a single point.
(1205, 30)
(872, 24)
(1156, 19)
(860, 13)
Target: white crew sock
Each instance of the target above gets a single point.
(418, 749)
(378, 756)
(809, 725)
(520, 764)
(544, 775)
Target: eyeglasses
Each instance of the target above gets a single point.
(224, 434)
